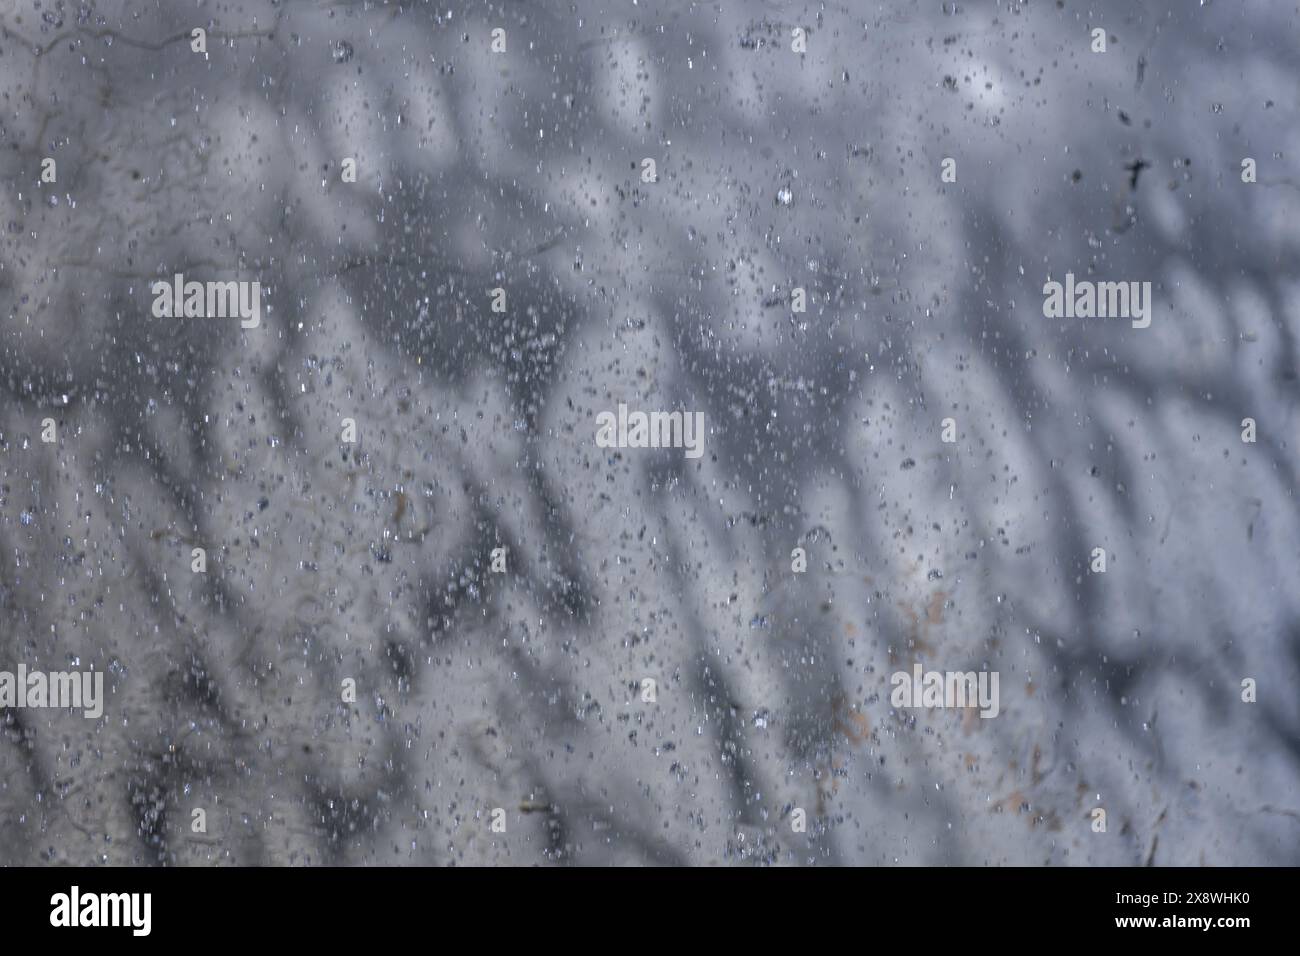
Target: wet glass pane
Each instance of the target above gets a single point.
(622, 433)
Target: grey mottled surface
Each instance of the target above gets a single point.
(521, 170)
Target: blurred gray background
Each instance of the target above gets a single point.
(776, 170)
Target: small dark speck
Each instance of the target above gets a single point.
(1076, 175)
(1135, 170)
(263, 504)
(907, 463)
(1124, 118)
